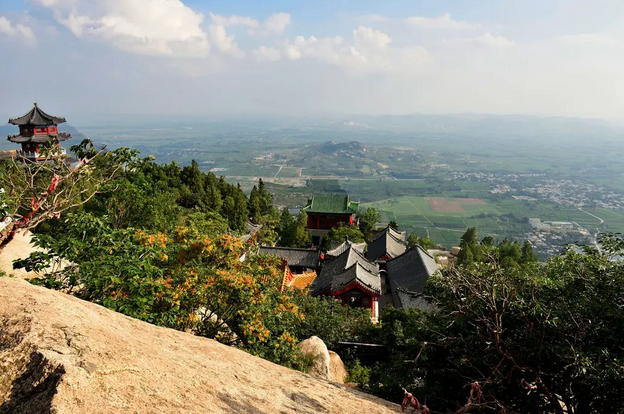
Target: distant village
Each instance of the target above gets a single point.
(564, 192)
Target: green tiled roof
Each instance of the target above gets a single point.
(331, 204)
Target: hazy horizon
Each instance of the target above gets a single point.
(173, 58)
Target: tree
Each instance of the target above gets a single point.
(340, 234)
(528, 255)
(368, 222)
(535, 338)
(330, 320)
(424, 242)
(39, 191)
(393, 224)
(186, 281)
(292, 230)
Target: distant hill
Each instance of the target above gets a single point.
(332, 147)
(484, 125)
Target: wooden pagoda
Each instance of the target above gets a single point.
(37, 128)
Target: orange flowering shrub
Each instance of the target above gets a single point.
(187, 281)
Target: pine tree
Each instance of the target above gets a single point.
(528, 255)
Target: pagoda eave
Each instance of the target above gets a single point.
(39, 139)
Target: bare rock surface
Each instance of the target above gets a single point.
(19, 248)
(62, 355)
(315, 348)
(337, 371)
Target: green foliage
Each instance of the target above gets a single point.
(185, 281)
(292, 229)
(155, 197)
(424, 242)
(340, 234)
(537, 338)
(527, 254)
(358, 373)
(368, 222)
(330, 320)
(43, 190)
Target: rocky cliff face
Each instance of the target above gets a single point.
(59, 354)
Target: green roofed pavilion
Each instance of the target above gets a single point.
(331, 205)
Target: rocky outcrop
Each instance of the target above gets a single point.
(315, 349)
(337, 371)
(61, 355)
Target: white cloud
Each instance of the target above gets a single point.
(487, 39)
(370, 37)
(442, 22)
(369, 51)
(16, 30)
(233, 20)
(162, 27)
(223, 42)
(267, 54)
(275, 24)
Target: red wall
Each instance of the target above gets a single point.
(327, 221)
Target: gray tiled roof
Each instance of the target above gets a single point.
(408, 275)
(37, 117)
(386, 242)
(335, 267)
(406, 299)
(398, 234)
(307, 258)
(357, 274)
(253, 228)
(339, 249)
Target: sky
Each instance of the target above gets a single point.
(293, 58)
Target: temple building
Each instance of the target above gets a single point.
(351, 279)
(396, 277)
(300, 265)
(326, 212)
(386, 244)
(37, 128)
(406, 277)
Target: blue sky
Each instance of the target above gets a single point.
(234, 57)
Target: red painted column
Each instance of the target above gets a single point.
(318, 222)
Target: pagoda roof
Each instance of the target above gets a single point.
(388, 242)
(308, 258)
(408, 275)
(332, 274)
(19, 139)
(331, 205)
(37, 117)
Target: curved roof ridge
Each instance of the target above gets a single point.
(414, 247)
(36, 116)
(363, 257)
(353, 274)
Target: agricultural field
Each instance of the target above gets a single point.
(442, 219)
